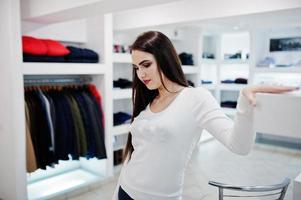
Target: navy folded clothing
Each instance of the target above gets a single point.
(74, 60)
(80, 55)
(206, 82)
(190, 83)
(122, 83)
(89, 54)
(186, 58)
(227, 81)
(121, 118)
(86, 60)
(35, 58)
(241, 81)
(75, 53)
(229, 104)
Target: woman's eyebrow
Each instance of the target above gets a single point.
(143, 61)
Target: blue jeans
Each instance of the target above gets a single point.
(122, 195)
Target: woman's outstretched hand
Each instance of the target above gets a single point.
(250, 92)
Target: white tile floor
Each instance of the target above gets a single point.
(211, 161)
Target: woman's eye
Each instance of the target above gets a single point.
(147, 65)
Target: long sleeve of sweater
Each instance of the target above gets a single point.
(238, 135)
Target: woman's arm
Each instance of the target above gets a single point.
(237, 136)
(250, 92)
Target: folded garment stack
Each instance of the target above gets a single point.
(228, 104)
(121, 118)
(237, 81)
(122, 83)
(190, 83)
(46, 50)
(206, 82)
(35, 58)
(79, 55)
(186, 58)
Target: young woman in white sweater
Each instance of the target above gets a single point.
(168, 119)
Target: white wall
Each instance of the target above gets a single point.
(12, 117)
(262, 45)
(71, 31)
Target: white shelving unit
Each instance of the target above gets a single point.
(231, 86)
(276, 70)
(218, 69)
(122, 66)
(122, 93)
(209, 86)
(82, 173)
(62, 68)
(122, 58)
(121, 129)
(261, 48)
(234, 61)
(188, 69)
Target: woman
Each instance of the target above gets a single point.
(168, 119)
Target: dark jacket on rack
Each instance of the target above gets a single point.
(40, 130)
(65, 122)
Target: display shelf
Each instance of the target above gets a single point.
(190, 69)
(122, 93)
(121, 129)
(232, 86)
(209, 86)
(118, 147)
(235, 61)
(63, 184)
(276, 70)
(209, 61)
(122, 58)
(62, 68)
(117, 168)
(229, 111)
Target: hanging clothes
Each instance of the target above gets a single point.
(66, 122)
(31, 164)
(40, 129)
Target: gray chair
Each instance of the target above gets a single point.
(261, 191)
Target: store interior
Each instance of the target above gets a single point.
(222, 48)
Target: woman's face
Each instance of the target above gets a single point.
(146, 69)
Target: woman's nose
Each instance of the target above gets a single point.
(142, 73)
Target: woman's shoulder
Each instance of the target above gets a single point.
(200, 96)
(198, 92)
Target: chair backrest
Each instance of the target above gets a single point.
(261, 191)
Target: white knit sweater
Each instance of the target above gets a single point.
(164, 141)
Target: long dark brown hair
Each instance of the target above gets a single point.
(157, 44)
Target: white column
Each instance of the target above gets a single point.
(108, 53)
(297, 188)
(12, 120)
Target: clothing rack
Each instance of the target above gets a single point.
(56, 80)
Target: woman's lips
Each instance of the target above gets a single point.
(146, 81)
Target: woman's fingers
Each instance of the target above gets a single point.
(252, 99)
(276, 89)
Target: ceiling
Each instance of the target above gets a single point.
(276, 19)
